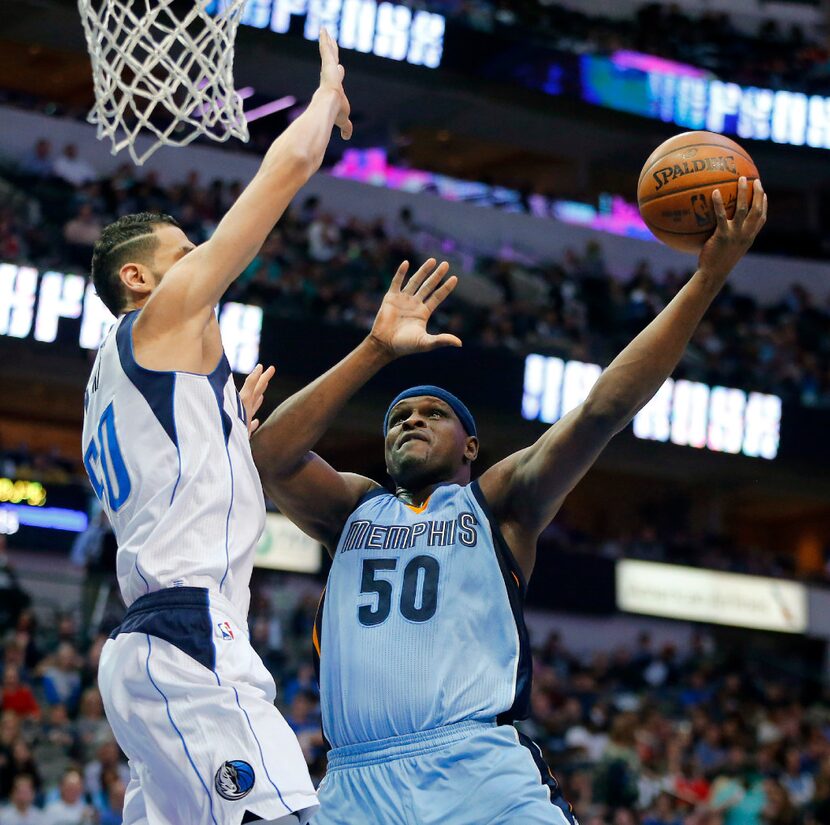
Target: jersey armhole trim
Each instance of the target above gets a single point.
(499, 539)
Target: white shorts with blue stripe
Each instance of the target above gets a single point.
(192, 706)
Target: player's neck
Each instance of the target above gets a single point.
(418, 495)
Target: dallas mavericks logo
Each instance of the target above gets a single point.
(234, 779)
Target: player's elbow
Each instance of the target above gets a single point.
(295, 163)
(274, 465)
(606, 414)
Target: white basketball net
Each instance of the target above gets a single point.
(167, 77)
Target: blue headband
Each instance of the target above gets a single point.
(455, 404)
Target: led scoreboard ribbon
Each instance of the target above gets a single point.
(687, 413)
(33, 304)
(383, 29)
(687, 97)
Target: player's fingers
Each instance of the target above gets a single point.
(720, 210)
(346, 131)
(419, 277)
(759, 202)
(437, 298)
(264, 380)
(443, 340)
(251, 380)
(325, 48)
(742, 206)
(252, 427)
(397, 280)
(431, 283)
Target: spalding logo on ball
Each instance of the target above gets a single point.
(675, 187)
(234, 779)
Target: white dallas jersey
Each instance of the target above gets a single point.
(168, 456)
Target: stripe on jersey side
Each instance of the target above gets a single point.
(317, 648)
(156, 386)
(547, 778)
(317, 634)
(516, 587)
(217, 380)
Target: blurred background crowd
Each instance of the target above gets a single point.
(648, 733)
(337, 268)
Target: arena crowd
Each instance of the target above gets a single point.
(337, 269)
(642, 736)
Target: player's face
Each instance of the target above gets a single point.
(173, 245)
(426, 443)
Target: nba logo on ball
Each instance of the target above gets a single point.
(234, 779)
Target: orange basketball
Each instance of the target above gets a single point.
(675, 187)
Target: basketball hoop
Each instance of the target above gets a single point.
(169, 76)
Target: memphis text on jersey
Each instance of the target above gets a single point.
(366, 535)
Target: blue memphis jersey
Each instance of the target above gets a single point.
(168, 456)
(421, 623)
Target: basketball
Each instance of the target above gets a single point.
(675, 188)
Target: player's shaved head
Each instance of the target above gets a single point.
(130, 239)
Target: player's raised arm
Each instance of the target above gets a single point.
(526, 489)
(306, 488)
(193, 286)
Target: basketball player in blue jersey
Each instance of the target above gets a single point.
(422, 649)
(166, 446)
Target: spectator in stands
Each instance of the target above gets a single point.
(70, 808)
(80, 233)
(18, 760)
(323, 238)
(62, 678)
(17, 695)
(55, 744)
(663, 812)
(91, 727)
(304, 682)
(798, 783)
(108, 765)
(110, 810)
(72, 168)
(13, 599)
(12, 243)
(38, 162)
(21, 809)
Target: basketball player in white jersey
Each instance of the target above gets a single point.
(421, 645)
(166, 447)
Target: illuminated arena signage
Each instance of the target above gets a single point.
(32, 304)
(686, 413)
(383, 29)
(689, 98)
(678, 592)
(18, 491)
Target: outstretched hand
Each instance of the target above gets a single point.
(252, 393)
(732, 239)
(401, 323)
(331, 78)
